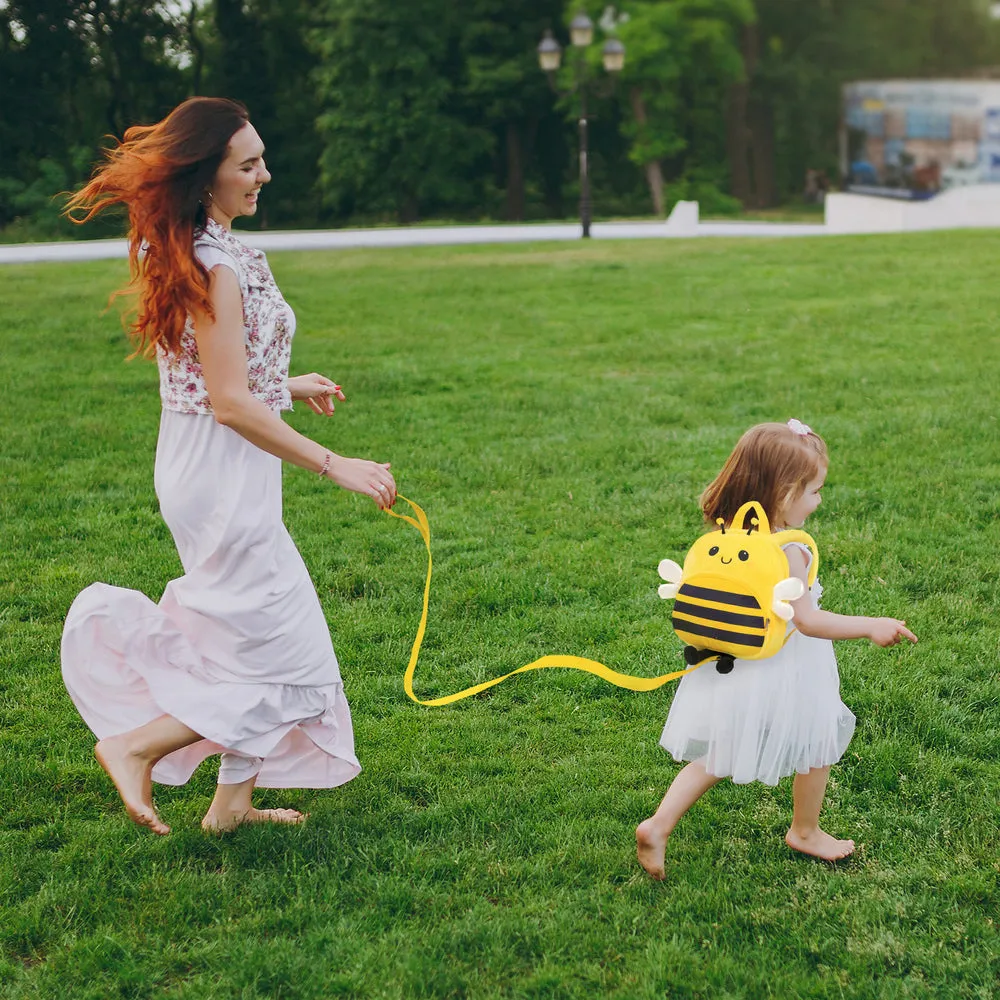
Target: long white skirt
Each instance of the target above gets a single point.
(766, 719)
(238, 648)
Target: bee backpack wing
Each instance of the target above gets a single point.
(789, 589)
(671, 572)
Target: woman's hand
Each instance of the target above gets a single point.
(317, 390)
(889, 631)
(358, 475)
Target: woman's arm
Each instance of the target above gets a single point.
(222, 352)
(827, 625)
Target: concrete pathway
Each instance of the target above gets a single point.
(343, 239)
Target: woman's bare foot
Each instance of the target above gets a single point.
(131, 774)
(220, 821)
(651, 848)
(820, 844)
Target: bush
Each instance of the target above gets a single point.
(706, 190)
(32, 211)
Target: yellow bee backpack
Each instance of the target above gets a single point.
(731, 598)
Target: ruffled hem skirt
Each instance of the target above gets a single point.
(238, 648)
(764, 720)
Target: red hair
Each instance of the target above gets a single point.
(771, 464)
(161, 173)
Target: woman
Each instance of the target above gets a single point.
(236, 658)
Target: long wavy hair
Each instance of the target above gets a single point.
(771, 464)
(161, 174)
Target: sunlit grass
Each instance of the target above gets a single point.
(556, 410)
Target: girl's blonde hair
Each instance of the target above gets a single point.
(771, 464)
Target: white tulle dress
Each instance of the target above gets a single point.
(766, 719)
(238, 648)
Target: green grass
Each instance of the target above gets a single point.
(794, 211)
(556, 410)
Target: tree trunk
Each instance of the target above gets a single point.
(408, 209)
(515, 174)
(738, 136)
(654, 178)
(736, 142)
(762, 152)
(654, 174)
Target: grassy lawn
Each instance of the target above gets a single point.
(556, 410)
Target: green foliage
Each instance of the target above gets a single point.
(501, 87)
(395, 141)
(81, 70)
(556, 409)
(41, 201)
(258, 52)
(707, 188)
(679, 57)
(388, 111)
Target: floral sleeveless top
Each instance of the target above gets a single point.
(268, 328)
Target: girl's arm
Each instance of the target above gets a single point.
(222, 352)
(827, 625)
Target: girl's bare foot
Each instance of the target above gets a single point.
(820, 844)
(131, 775)
(221, 821)
(651, 848)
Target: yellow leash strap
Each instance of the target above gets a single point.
(420, 522)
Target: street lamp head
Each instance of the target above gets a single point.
(549, 53)
(581, 30)
(613, 55)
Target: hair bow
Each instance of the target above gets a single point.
(797, 427)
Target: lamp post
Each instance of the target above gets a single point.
(581, 34)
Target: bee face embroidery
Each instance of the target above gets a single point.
(731, 597)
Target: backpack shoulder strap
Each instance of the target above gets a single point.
(804, 538)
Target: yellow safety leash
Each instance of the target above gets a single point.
(422, 525)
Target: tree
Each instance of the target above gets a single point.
(258, 52)
(134, 46)
(81, 69)
(679, 58)
(502, 87)
(395, 140)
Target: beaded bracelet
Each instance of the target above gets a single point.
(326, 465)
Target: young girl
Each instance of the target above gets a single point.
(783, 715)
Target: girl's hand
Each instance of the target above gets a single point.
(317, 390)
(358, 475)
(889, 631)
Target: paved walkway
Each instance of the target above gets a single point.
(342, 239)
